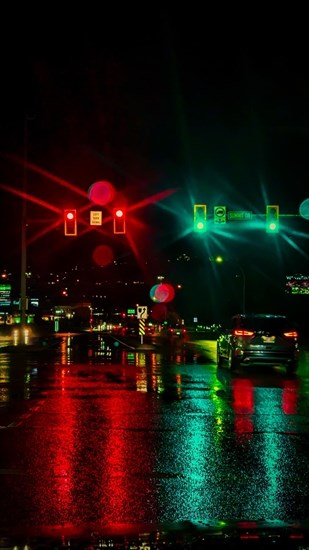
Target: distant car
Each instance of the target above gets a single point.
(131, 329)
(259, 339)
(176, 330)
(149, 329)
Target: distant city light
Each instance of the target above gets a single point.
(297, 284)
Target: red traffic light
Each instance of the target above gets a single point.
(119, 213)
(70, 222)
(119, 220)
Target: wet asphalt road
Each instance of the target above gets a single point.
(97, 435)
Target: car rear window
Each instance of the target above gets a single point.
(268, 324)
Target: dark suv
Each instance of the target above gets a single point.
(259, 339)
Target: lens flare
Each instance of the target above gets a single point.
(159, 312)
(103, 255)
(152, 293)
(304, 209)
(101, 192)
(162, 292)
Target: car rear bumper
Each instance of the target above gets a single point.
(268, 358)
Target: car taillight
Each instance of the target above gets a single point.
(291, 334)
(238, 332)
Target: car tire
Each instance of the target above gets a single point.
(219, 358)
(292, 367)
(232, 362)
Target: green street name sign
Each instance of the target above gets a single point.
(239, 215)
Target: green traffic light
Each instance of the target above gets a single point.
(200, 216)
(272, 218)
(200, 226)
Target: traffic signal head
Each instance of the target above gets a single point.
(70, 222)
(200, 218)
(272, 218)
(119, 220)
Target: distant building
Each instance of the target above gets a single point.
(5, 296)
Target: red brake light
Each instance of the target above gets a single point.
(291, 334)
(242, 332)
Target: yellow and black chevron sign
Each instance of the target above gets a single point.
(141, 327)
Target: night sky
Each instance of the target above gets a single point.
(168, 102)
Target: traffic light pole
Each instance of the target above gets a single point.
(219, 260)
(243, 288)
(23, 267)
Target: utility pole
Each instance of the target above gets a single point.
(23, 267)
(243, 287)
(220, 260)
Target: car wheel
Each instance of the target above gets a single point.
(232, 362)
(292, 367)
(219, 358)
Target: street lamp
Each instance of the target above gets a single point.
(220, 260)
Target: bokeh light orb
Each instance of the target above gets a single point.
(304, 209)
(103, 255)
(159, 312)
(162, 292)
(152, 293)
(101, 192)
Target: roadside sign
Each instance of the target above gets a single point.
(219, 214)
(95, 217)
(142, 312)
(239, 215)
(141, 327)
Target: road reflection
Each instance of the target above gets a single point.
(101, 435)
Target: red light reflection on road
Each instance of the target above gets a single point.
(243, 403)
(290, 396)
(125, 457)
(63, 459)
(243, 396)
